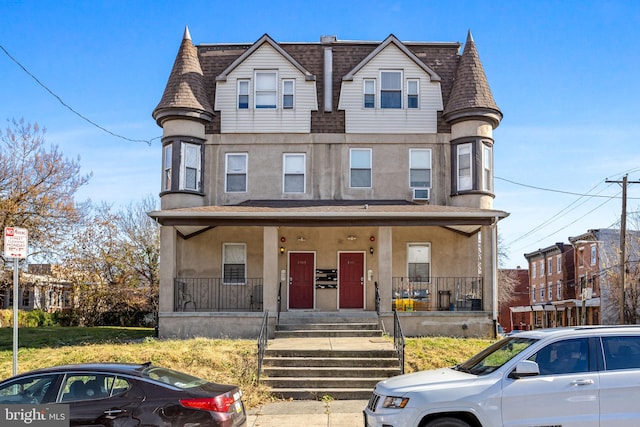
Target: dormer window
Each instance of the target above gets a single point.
(243, 94)
(369, 93)
(266, 89)
(287, 94)
(390, 89)
(412, 93)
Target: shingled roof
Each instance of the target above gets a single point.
(471, 95)
(184, 94)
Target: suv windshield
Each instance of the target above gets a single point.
(494, 356)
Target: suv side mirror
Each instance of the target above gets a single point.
(525, 368)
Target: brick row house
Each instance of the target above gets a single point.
(337, 176)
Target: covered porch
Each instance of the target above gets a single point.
(435, 265)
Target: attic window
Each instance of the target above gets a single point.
(391, 89)
(266, 89)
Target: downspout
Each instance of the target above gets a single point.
(494, 249)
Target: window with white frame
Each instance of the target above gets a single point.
(559, 263)
(288, 90)
(166, 171)
(593, 254)
(541, 292)
(533, 293)
(360, 168)
(419, 262)
(234, 263)
(369, 92)
(465, 167)
(413, 90)
(266, 89)
(294, 173)
(420, 168)
(190, 167)
(487, 168)
(550, 291)
(236, 173)
(541, 268)
(243, 94)
(533, 270)
(390, 89)
(559, 291)
(550, 265)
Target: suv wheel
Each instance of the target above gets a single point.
(447, 422)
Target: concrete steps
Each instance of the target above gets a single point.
(333, 355)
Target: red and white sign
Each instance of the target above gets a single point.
(16, 241)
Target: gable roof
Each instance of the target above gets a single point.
(184, 94)
(471, 95)
(391, 39)
(262, 40)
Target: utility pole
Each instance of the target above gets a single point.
(623, 242)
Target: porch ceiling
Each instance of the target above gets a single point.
(315, 213)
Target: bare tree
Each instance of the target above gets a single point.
(37, 186)
(507, 278)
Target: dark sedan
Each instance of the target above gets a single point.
(128, 395)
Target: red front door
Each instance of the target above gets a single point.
(301, 276)
(351, 280)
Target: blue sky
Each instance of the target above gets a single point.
(564, 73)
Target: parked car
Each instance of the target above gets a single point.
(580, 376)
(128, 395)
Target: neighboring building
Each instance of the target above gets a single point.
(339, 176)
(39, 289)
(520, 319)
(551, 287)
(597, 254)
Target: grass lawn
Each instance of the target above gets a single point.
(218, 360)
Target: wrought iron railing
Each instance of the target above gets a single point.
(279, 302)
(216, 294)
(377, 296)
(437, 293)
(263, 341)
(398, 340)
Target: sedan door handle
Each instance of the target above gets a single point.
(582, 382)
(113, 412)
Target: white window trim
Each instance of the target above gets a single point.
(285, 172)
(285, 93)
(401, 72)
(430, 166)
(351, 151)
(417, 94)
(184, 146)
(533, 270)
(428, 246)
(594, 255)
(533, 293)
(559, 263)
(256, 91)
(248, 94)
(559, 291)
(224, 248)
(246, 171)
(374, 93)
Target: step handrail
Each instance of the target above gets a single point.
(398, 340)
(263, 341)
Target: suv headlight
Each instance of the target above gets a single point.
(393, 402)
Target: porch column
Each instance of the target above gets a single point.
(167, 268)
(385, 267)
(270, 274)
(489, 269)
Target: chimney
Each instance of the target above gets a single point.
(328, 72)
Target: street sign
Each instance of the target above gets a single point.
(16, 241)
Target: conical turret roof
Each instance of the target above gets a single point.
(470, 95)
(184, 94)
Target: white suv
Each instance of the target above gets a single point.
(581, 376)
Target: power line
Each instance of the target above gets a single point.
(571, 193)
(147, 141)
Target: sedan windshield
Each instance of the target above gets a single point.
(174, 378)
(494, 356)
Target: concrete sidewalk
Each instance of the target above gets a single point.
(308, 413)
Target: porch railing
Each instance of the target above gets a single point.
(437, 293)
(398, 340)
(262, 341)
(215, 294)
